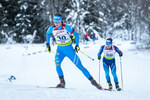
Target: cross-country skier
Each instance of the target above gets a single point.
(62, 34)
(109, 51)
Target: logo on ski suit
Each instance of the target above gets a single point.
(109, 54)
(62, 36)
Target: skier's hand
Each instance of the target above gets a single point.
(120, 55)
(99, 57)
(72, 36)
(76, 48)
(48, 47)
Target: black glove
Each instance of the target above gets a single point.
(72, 36)
(48, 47)
(120, 55)
(99, 57)
(76, 48)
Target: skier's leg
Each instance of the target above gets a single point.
(86, 73)
(113, 71)
(58, 59)
(106, 69)
(76, 60)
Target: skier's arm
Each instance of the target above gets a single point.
(100, 51)
(118, 51)
(73, 31)
(49, 31)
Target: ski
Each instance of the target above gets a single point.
(103, 89)
(50, 87)
(112, 90)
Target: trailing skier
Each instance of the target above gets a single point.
(109, 51)
(61, 32)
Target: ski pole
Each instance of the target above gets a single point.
(50, 51)
(87, 55)
(121, 73)
(99, 70)
(53, 52)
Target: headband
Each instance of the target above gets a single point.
(57, 18)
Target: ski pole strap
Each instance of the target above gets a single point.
(86, 55)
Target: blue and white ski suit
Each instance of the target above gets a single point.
(64, 48)
(109, 61)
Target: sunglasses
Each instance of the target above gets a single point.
(108, 43)
(57, 21)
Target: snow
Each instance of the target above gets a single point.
(25, 6)
(38, 69)
(101, 13)
(0, 5)
(100, 19)
(18, 24)
(43, 2)
(72, 13)
(5, 24)
(18, 15)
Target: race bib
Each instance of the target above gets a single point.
(61, 36)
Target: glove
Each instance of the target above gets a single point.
(99, 57)
(76, 48)
(72, 36)
(120, 55)
(48, 47)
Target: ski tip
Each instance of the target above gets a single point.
(52, 87)
(107, 89)
(45, 87)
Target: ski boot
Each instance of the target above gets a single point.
(93, 82)
(117, 87)
(110, 85)
(62, 82)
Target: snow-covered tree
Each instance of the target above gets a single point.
(125, 19)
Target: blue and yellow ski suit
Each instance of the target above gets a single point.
(64, 48)
(109, 61)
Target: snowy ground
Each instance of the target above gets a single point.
(32, 67)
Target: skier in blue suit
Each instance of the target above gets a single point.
(109, 51)
(62, 33)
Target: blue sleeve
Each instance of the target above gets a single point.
(73, 31)
(49, 31)
(101, 50)
(117, 50)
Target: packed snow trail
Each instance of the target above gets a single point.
(38, 69)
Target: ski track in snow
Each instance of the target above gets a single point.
(32, 67)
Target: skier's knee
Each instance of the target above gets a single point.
(57, 62)
(114, 74)
(107, 74)
(82, 68)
